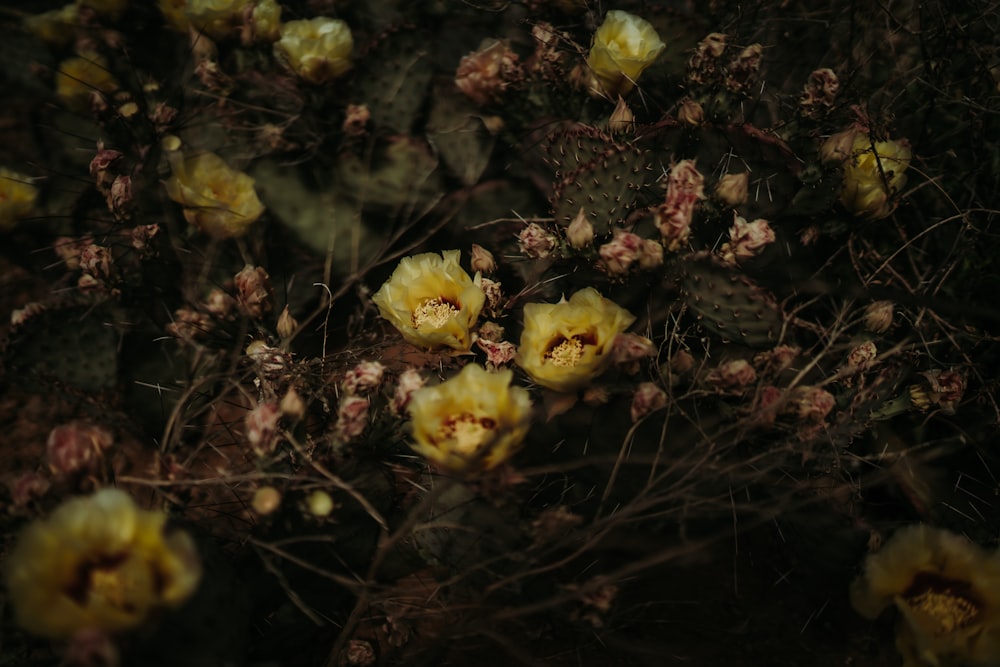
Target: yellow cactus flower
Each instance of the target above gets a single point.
(267, 21)
(175, 13)
(623, 46)
(318, 50)
(17, 197)
(873, 177)
(99, 562)
(565, 345)
(79, 77)
(947, 591)
(56, 27)
(216, 18)
(432, 301)
(218, 199)
(474, 421)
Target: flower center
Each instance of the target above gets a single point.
(101, 580)
(950, 603)
(567, 352)
(433, 313)
(466, 431)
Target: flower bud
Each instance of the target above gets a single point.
(482, 260)
(618, 255)
(266, 500)
(650, 254)
(485, 74)
(580, 233)
(73, 447)
(363, 378)
(320, 503)
(535, 242)
(820, 93)
(622, 119)
(261, 425)
(287, 325)
(318, 49)
(878, 316)
(732, 189)
(409, 381)
(690, 113)
(862, 356)
(352, 418)
(733, 375)
(649, 397)
(746, 239)
(292, 405)
(253, 291)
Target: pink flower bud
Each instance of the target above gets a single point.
(363, 378)
(733, 375)
(261, 425)
(535, 242)
(746, 239)
(352, 418)
(618, 255)
(409, 381)
(253, 291)
(649, 397)
(73, 447)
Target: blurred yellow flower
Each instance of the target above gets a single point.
(17, 197)
(872, 178)
(99, 562)
(79, 77)
(623, 46)
(267, 21)
(55, 27)
(218, 199)
(474, 421)
(432, 301)
(175, 12)
(318, 50)
(216, 18)
(567, 344)
(947, 591)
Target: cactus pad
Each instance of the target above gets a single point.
(393, 80)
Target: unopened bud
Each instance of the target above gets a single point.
(690, 113)
(622, 119)
(580, 233)
(878, 316)
(320, 503)
(535, 242)
(266, 500)
(482, 260)
(732, 188)
(649, 397)
(253, 291)
(287, 325)
(292, 405)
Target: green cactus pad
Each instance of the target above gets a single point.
(455, 130)
(393, 80)
(728, 303)
(573, 145)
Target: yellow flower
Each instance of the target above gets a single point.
(267, 21)
(567, 344)
(175, 12)
(216, 198)
(81, 76)
(474, 421)
(55, 27)
(622, 48)
(947, 591)
(318, 50)
(432, 301)
(873, 177)
(17, 197)
(98, 562)
(216, 18)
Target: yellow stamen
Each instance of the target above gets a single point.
(467, 432)
(433, 313)
(567, 353)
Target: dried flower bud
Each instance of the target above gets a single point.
(364, 377)
(703, 66)
(944, 389)
(266, 500)
(741, 75)
(681, 362)
(618, 255)
(812, 403)
(498, 353)
(287, 325)
(732, 189)
(690, 113)
(494, 296)
(878, 316)
(27, 487)
(141, 237)
(482, 260)
(119, 197)
(580, 233)
(820, 93)
(261, 425)
(25, 313)
(535, 242)
(776, 360)
(352, 418)
(409, 381)
(629, 349)
(491, 331)
(840, 146)
(253, 291)
(219, 304)
(360, 653)
(649, 397)
(96, 261)
(862, 356)
(69, 249)
(486, 73)
(650, 254)
(292, 405)
(356, 119)
(734, 375)
(746, 239)
(73, 447)
(622, 119)
(189, 325)
(685, 187)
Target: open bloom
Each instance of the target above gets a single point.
(622, 48)
(567, 344)
(218, 199)
(475, 420)
(17, 197)
(216, 18)
(99, 562)
(947, 591)
(432, 301)
(318, 50)
(874, 176)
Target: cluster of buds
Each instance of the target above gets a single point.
(535, 242)
(943, 389)
(487, 72)
(819, 94)
(746, 239)
(626, 250)
(685, 188)
(808, 404)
